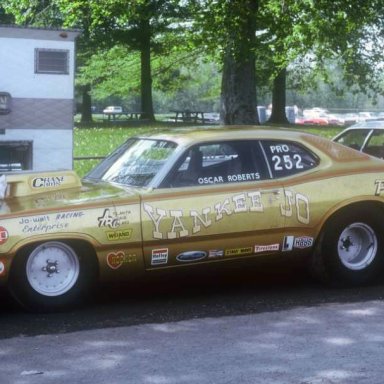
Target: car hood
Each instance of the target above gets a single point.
(32, 192)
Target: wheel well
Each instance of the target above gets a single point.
(81, 247)
(367, 205)
(348, 209)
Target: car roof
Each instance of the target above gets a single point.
(368, 124)
(192, 135)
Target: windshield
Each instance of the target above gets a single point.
(135, 163)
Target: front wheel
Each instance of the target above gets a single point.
(350, 251)
(50, 276)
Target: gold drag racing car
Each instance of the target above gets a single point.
(192, 197)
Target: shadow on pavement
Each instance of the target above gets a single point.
(180, 295)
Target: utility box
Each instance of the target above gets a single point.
(36, 98)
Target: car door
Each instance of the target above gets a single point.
(218, 203)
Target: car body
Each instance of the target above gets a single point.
(113, 109)
(192, 197)
(366, 136)
(312, 121)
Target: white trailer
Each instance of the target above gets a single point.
(36, 98)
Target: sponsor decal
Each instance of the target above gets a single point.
(49, 223)
(2, 268)
(3, 235)
(124, 234)
(301, 242)
(116, 259)
(112, 218)
(42, 224)
(159, 256)
(215, 253)
(266, 248)
(107, 220)
(288, 243)
(238, 251)
(191, 256)
(47, 182)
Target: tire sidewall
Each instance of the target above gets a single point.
(340, 274)
(32, 300)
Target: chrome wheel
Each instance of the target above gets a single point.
(52, 269)
(357, 246)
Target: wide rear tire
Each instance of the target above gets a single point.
(350, 251)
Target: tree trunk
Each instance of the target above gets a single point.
(278, 115)
(86, 108)
(146, 75)
(238, 87)
(238, 91)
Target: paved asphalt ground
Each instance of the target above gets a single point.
(238, 325)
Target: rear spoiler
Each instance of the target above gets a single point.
(32, 183)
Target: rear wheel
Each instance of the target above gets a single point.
(51, 276)
(351, 249)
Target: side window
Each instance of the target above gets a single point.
(217, 163)
(375, 145)
(288, 158)
(353, 138)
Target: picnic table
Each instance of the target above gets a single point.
(187, 115)
(114, 116)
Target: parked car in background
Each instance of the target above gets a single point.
(112, 109)
(192, 197)
(321, 120)
(366, 136)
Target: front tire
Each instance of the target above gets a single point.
(350, 251)
(51, 276)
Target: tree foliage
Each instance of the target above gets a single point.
(316, 32)
(139, 25)
(256, 44)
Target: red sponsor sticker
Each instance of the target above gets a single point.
(159, 256)
(3, 235)
(115, 259)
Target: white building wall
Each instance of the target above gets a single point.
(42, 104)
(52, 150)
(17, 70)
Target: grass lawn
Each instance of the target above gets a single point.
(102, 141)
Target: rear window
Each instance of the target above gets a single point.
(287, 158)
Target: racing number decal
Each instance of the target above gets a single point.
(283, 160)
(287, 162)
